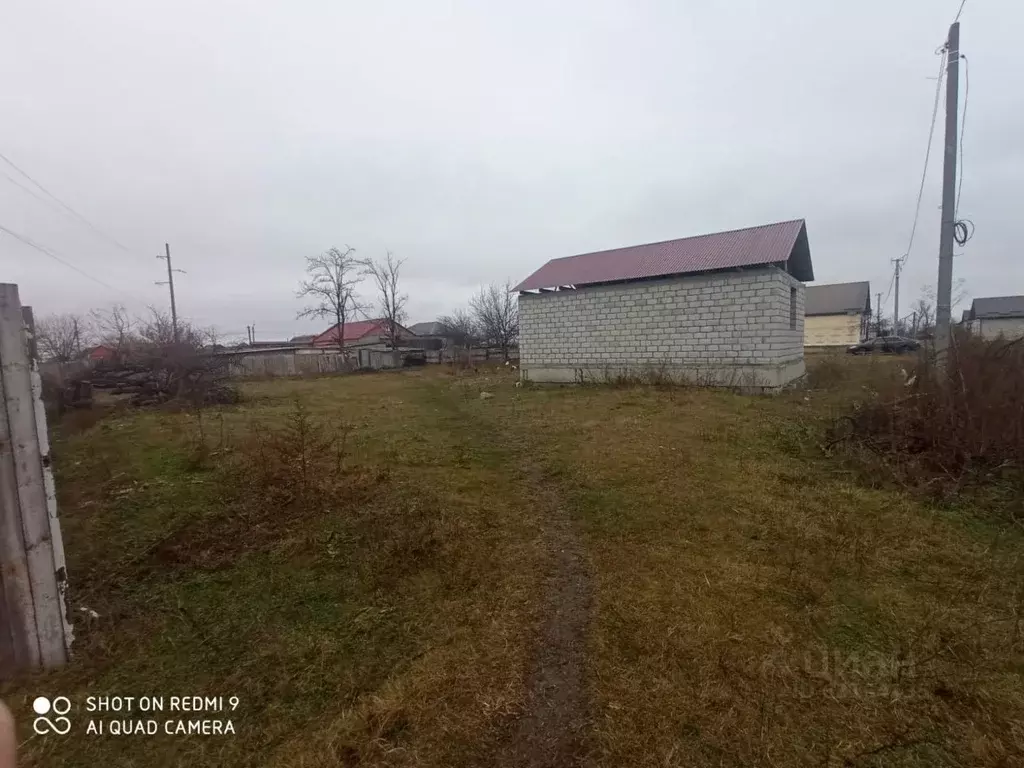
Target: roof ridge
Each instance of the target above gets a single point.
(678, 239)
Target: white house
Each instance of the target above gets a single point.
(997, 316)
(724, 309)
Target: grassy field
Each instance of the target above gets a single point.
(389, 570)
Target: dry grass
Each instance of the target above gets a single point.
(950, 428)
(358, 615)
(754, 603)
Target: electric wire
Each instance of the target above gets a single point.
(64, 205)
(927, 156)
(44, 250)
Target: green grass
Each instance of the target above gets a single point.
(754, 602)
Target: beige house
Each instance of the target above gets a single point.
(837, 315)
(996, 316)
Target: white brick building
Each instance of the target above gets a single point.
(996, 316)
(725, 309)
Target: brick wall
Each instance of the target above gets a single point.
(718, 326)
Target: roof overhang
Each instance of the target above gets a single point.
(799, 262)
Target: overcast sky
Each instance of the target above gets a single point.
(478, 139)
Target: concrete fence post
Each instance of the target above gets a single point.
(34, 630)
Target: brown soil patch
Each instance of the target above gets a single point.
(551, 730)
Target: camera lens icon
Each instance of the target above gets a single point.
(60, 706)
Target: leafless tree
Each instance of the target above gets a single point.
(156, 331)
(460, 328)
(330, 286)
(114, 327)
(925, 306)
(391, 300)
(496, 314)
(62, 337)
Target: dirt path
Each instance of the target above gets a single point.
(552, 727)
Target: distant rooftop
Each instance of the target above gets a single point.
(428, 329)
(837, 299)
(997, 306)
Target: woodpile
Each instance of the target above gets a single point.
(148, 385)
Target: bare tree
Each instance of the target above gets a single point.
(460, 328)
(157, 331)
(333, 276)
(925, 306)
(385, 276)
(924, 315)
(62, 337)
(115, 327)
(496, 314)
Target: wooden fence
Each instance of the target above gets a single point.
(34, 627)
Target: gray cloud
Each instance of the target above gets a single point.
(477, 140)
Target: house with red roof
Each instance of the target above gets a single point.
(359, 333)
(722, 309)
(101, 352)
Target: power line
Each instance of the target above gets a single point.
(891, 281)
(43, 249)
(927, 156)
(29, 191)
(961, 10)
(65, 206)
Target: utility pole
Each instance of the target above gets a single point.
(878, 314)
(915, 323)
(896, 301)
(170, 284)
(943, 297)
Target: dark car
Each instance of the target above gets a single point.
(892, 344)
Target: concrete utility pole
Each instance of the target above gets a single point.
(943, 298)
(896, 299)
(878, 314)
(170, 284)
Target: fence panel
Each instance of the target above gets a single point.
(31, 550)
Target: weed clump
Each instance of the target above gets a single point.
(826, 372)
(301, 462)
(948, 427)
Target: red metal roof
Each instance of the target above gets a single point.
(353, 331)
(767, 244)
(356, 330)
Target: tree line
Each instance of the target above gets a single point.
(67, 336)
(329, 291)
(330, 288)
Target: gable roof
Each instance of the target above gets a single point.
(355, 330)
(997, 306)
(428, 329)
(837, 299)
(782, 243)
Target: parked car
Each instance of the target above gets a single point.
(891, 344)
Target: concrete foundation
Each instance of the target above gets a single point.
(745, 378)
